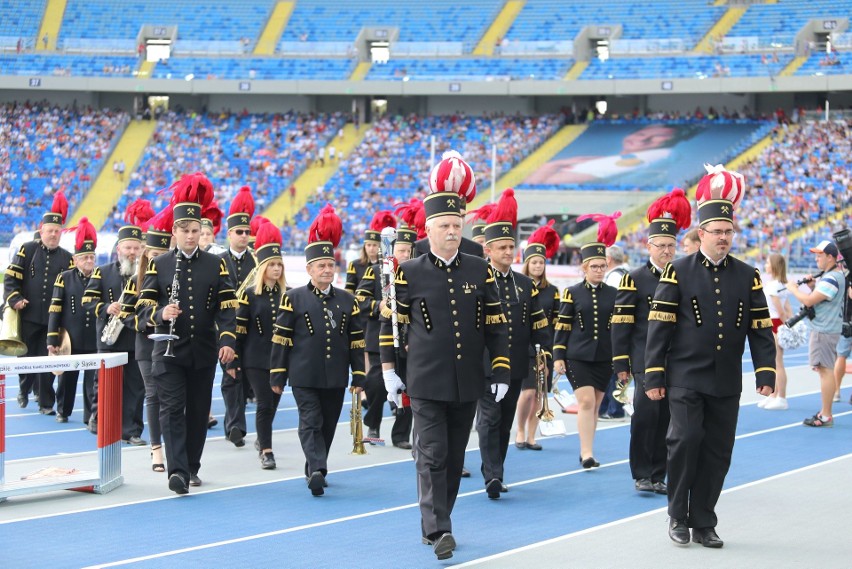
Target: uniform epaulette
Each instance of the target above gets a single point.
(369, 274)
(490, 278)
(534, 292)
(350, 268)
(399, 277)
(223, 268)
(627, 283)
(566, 296)
(356, 310)
(757, 283)
(152, 268)
(60, 282)
(669, 275)
(286, 303)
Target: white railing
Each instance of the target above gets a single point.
(650, 46)
(554, 47)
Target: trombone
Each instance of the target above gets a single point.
(544, 413)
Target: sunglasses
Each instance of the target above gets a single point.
(242, 231)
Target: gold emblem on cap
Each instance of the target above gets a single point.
(451, 202)
(600, 250)
(190, 211)
(505, 231)
(326, 249)
(726, 209)
(664, 227)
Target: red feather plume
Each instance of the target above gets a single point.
(60, 205)
(243, 202)
(85, 231)
(414, 215)
(195, 188)
(164, 220)
(326, 227)
(673, 205)
(256, 222)
(482, 213)
(382, 219)
(139, 213)
(507, 208)
(607, 229)
(548, 237)
(214, 214)
(267, 233)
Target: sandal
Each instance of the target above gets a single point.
(157, 466)
(818, 421)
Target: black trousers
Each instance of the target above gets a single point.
(648, 428)
(234, 397)
(267, 404)
(377, 395)
(701, 442)
(35, 337)
(319, 410)
(66, 392)
(185, 395)
(152, 403)
(132, 399)
(441, 432)
(493, 425)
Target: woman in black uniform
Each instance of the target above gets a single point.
(260, 299)
(583, 335)
(543, 244)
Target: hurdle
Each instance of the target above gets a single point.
(108, 476)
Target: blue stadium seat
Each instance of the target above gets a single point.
(473, 68)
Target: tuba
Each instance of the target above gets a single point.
(544, 413)
(11, 343)
(356, 428)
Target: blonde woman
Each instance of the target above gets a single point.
(777, 298)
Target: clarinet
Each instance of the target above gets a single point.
(170, 337)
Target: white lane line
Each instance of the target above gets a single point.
(462, 495)
(615, 523)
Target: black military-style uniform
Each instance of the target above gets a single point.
(105, 287)
(318, 338)
(31, 276)
(369, 295)
(700, 318)
(467, 246)
(354, 273)
(549, 299)
(256, 317)
(453, 313)
(66, 312)
(583, 334)
(235, 389)
(528, 326)
(206, 324)
(650, 419)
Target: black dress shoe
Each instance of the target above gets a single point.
(267, 461)
(661, 488)
(236, 437)
(47, 411)
(23, 400)
(493, 488)
(316, 483)
(136, 441)
(93, 426)
(589, 462)
(425, 540)
(533, 446)
(521, 446)
(177, 484)
(194, 480)
(678, 531)
(503, 488)
(61, 418)
(707, 537)
(212, 422)
(465, 473)
(403, 445)
(644, 485)
(444, 546)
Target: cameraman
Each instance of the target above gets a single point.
(844, 345)
(826, 323)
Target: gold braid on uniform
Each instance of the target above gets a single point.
(242, 322)
(148, 296)
(227, 296)
(565, 322)
(625, 313)
(281, 334)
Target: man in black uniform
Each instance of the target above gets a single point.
(528, 326)
(650, 419)
(449, 299)
(369, 295)
(317, 340)
(202, 312)
(103, 299)
(705, 307)
(68, 317)
(28, 284)
(240, 262)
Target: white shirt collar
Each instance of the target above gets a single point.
(712, 262)
(446, 261)
(190, 255)
(238, 255)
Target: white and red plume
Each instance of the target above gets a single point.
(453, 174)
(719, 183)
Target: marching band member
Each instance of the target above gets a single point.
(105, 300)
(542, 244)
(650, 419)
(369, 256)
(369, 295)
(528, 326)
(201, 314)
(256, 315)
(583, 334)
(209, 230)
(317, 364)
(445, 293)
(28, 284)
(240, 262)
(66, 313)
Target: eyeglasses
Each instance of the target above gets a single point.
(597, 267)
(720, 233)
(670, 247)
(242, 231)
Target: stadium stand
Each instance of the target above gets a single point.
(19, 21)
(67, 65)
(686, 66)
(825, 64)
(254, 68)
(781, 21)
(468, 69)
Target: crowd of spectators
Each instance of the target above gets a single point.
(45, 148)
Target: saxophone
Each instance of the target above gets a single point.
(114, 325)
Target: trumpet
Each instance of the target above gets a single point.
(620, 391)
(356, 428)
(170, 337)
(544, 413)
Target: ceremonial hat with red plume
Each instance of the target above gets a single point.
(211, 216)
(85, 237)
(718, 194)
(139, 213)
(191, 195)
(159, 234)
(543, 242)
(479, 218)
(413, 214)
(267, 244)
(503, 218)
(58, 210)
(242, 209)
(607, 232)
(381, 219)
(452, 184)
(323, 235)
(669, 214)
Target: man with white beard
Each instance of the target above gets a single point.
(103, 297)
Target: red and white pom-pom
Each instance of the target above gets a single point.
(453, 174)
(267, 233)
(674, 206)
(414, 215)
(548, 237)
(214, 214)
(607, 229)
(506, 210)
(326, 227)
(720, 184)
(243, 202)
(382, 219)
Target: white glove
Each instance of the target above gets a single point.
(394, 386)
(499, 390)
